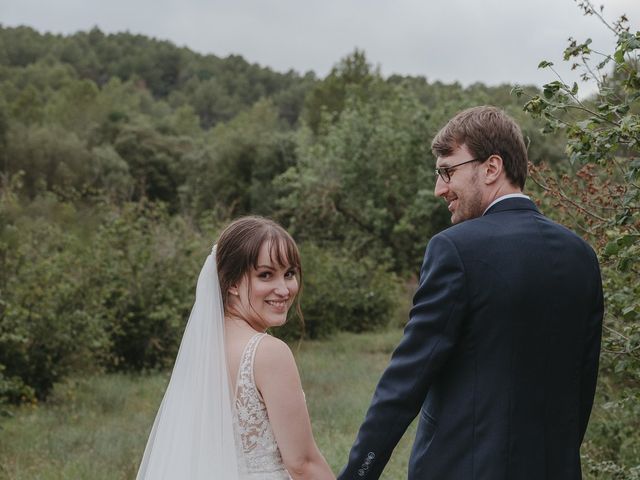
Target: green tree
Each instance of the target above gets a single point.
(50, 319)
(352, 77)
(23, 45)
(52, 159)
(146, 263)
(28, 106)
(368, 183)
(154, 162)
(73, 107)
(235, 169)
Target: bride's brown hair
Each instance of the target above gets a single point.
(238, 248)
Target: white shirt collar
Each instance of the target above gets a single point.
(504, 197)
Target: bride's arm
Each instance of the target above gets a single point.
(277, 378)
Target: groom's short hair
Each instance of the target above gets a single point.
(486, 131)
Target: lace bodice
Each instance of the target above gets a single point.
(258, 444)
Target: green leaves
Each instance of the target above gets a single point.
(352, 79)
(576, 49)
(612, 248)
(624, 248)
(518, 91)
(368, 300)
(113, 291)
(627, 43)
(551, 89)
(356, 183)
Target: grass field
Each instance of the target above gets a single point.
(96, 428)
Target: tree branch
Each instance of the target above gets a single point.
(567, 199)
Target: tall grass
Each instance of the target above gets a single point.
(339, 376)
(92, 428)
(96, 428)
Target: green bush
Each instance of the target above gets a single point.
(343, 293)
(85, 289)
(50, 321)
(148, 264)
(110, 287)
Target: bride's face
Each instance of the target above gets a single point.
(265, 294)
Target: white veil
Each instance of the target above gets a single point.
(193, 435)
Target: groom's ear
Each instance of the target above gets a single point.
(493, 168)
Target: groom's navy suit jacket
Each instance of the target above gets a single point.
(499, 357)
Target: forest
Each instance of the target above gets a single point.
(122, 157)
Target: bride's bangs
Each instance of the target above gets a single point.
(283, 251)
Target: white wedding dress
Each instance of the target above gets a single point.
(202, 430)
(256, 441)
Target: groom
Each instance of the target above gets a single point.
(500, 355)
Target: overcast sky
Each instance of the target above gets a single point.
(489, 41)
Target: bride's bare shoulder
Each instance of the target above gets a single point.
(274, 357)
(274, 349)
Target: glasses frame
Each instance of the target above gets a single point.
(445, 172)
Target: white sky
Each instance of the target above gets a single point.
(489, 41)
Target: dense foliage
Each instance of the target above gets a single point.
(122, 156)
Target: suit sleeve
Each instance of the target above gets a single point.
(591, 356)
(429, 337)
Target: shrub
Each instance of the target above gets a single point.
(111, 287)
(343, 293)
(85, 289)
(147, 262)
(49, 312)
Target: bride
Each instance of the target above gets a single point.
(234, 408)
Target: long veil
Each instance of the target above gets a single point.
(193, 436)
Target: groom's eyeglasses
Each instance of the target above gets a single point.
(446, 172)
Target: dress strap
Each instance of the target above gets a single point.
(245, 371)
